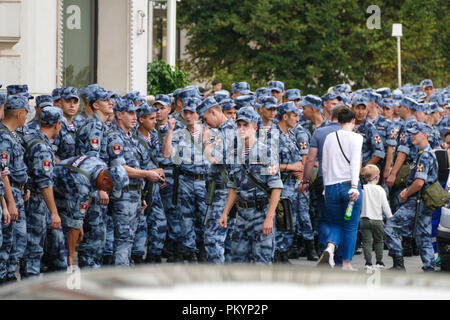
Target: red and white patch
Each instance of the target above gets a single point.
(402, 137)
(117, 148)
(95, 142)
(303, 145)
(393, 134)
(419, 167)
(4, 157)
(377, 139)
(84, 207)
(47, 165)
(272, 169)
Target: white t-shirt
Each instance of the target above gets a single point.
(375, 202)
(335, 167)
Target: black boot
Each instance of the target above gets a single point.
(277, 257)
(415, 249)
(152, 258)
(293, 250)
(311, 253)
(107, 260)
(191, 257)
(398, 264)
(284, 257)
(168, 248)
(407, 247)
(201, 255)
(176, 256)
(137, 259)
(301, 247)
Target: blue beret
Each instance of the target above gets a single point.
(56, 94)
(227, 104)
(276, 85)
(205, 105)
(14, 89)
(188, 92)
(341, 88)
(247, 114)
(410, 103)
(51, 115)
(100, 94)
(86, 91)
(119, 178)
(358, 100)
(242, 87)
(330, 96)
(3, 96)
(163, 99)
(44, 99)
(426, 83)
(287, 107)
(14, 102)
(384, 92)
(268, 102)
(221, 95)
(312, 100)
(261, 92)
(124, 105)
(144, 109)
(292, 94)
(420, 127)
(69, 93)
(244, 101)
(191, 104)
(387, 103)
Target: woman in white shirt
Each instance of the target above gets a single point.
(341, 163)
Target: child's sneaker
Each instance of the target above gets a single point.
(380, 265)
(368, 266)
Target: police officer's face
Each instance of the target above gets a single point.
(268, 114)
(360, 112)
(387, 112)
(420, 116)
(429, 91)
(297, 104)
(210, 117)
(163, 112)
(418, 138)
(308, 112)
(291, 119)
(330, 104)
(447, 111)
(436, 116)
(277, 95)
(21, 116)
(246, 130)
(70, 107)
(128, 119)
(104, 106)
(148, 121)
(190, 117)
(230, 114)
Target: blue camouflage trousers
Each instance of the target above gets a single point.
(303, 219)
(402, 223)
(90, 250)
(285, 239)
(109, 243)
(36, 212)
(151, 228)
(55, 247)
(5, 249)
(214, 234)
(173, 217)
(230, 226)
(248, 241)
(192, 207)
(124, 214)
(19, 233)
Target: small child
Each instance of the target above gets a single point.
(374, 204)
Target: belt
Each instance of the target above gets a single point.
(17, 185)
(193, 175)
(166, 166)
(258, 204)
(220, 186)
(347, 183)
(132, 188)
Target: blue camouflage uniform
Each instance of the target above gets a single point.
(152, 226)
(126, 207)
(40, 161)
(192, 190)
(248, 242)
(372, 143)
(423, 167)
(222, 143)
(15, 234)
(91, 140)
(64, 145)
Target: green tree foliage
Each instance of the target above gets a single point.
(162, 78)
(312, 45)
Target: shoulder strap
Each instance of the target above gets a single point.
(161, 138)
(9, 132)
(35, 142)
(142, 142)
(76, 169)
(253, 179)
(337, 137)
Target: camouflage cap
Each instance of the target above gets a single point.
(69, 93)
(51, 115)
(205, 105)
(144, 109)
(44, 100)
(247, 114)
(242, 87)
(244, 101)
(276, 85)
(292, 94)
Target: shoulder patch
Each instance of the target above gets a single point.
(95, 142)
(117, 148)
(47, 165)
(419, 167)
(377, 139)
(272, 169)
(4, 157)
(84, 207)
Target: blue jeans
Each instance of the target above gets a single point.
(336, 201)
